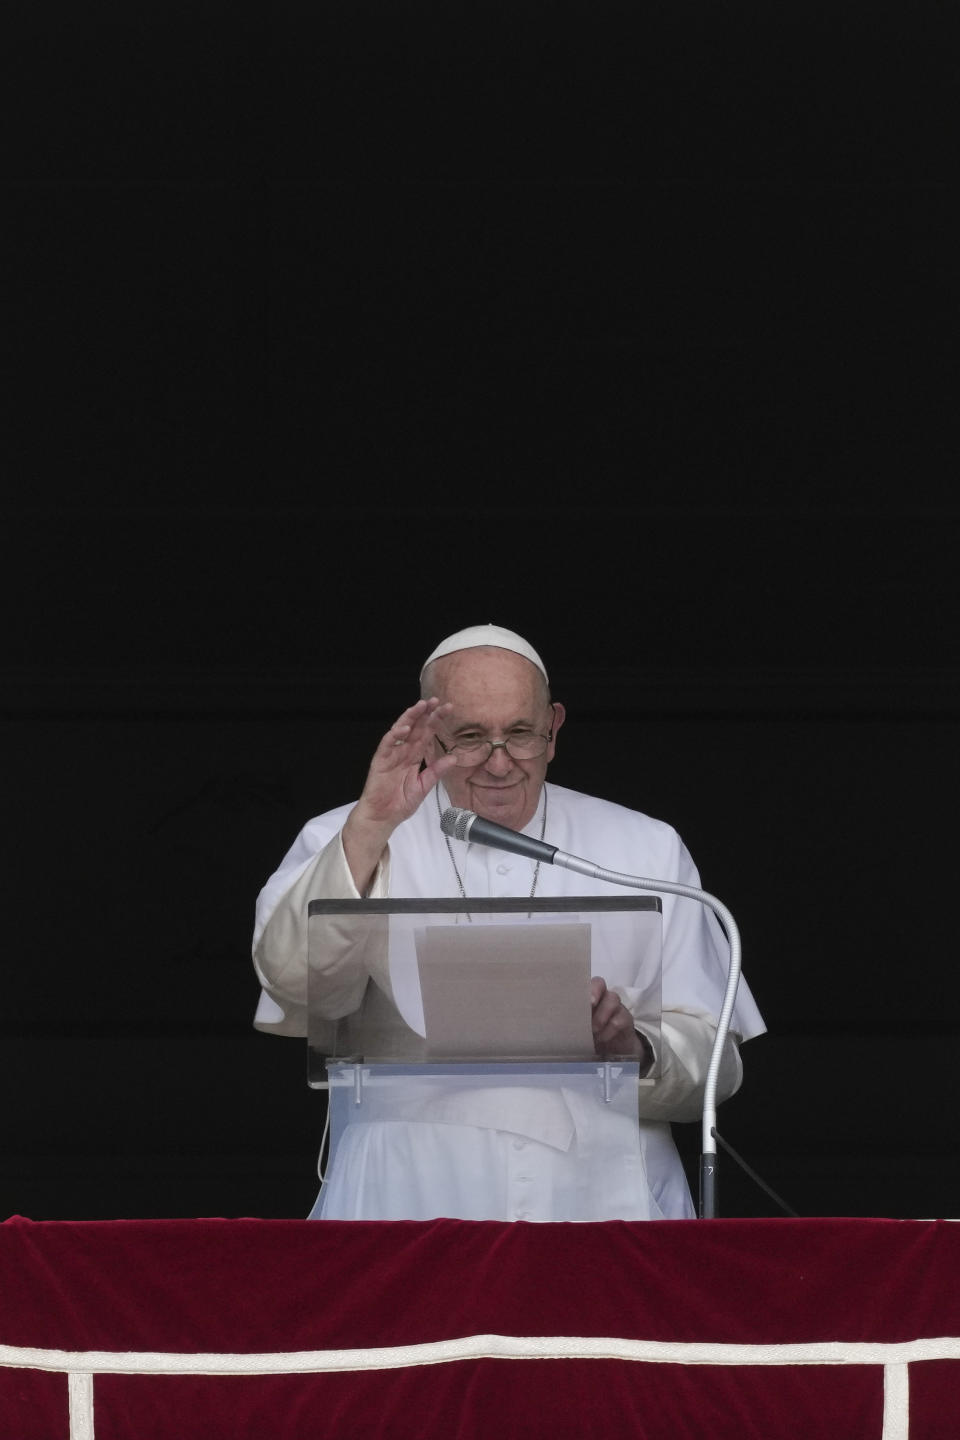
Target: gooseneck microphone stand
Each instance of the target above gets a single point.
(465, 825)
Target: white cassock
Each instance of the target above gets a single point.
(512, 1154)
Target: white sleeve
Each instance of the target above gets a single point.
(695, 962)
(280, 947)
(683, 1048)
(682, 1045)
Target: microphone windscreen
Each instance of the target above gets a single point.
(456, 822)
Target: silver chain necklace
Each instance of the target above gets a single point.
(536, 868)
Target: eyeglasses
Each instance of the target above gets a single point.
(476, 749)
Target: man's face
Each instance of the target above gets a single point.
(496, 694)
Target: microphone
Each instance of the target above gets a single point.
(466, 825)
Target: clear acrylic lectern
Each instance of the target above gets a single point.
(477, 1012)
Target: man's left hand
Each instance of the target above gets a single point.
(613, 1028)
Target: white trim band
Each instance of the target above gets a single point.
(481, 1347)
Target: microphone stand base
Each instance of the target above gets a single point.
(708, 1187)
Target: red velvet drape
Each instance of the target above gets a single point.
(250, 1286)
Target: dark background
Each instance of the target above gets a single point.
(332, 328)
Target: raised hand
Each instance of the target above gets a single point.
(404, 769)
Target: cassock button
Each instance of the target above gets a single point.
(503, 869)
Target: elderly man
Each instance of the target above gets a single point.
(481, 738)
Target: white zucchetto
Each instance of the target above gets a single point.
(476, 635)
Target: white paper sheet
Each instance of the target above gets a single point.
(506, 991)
